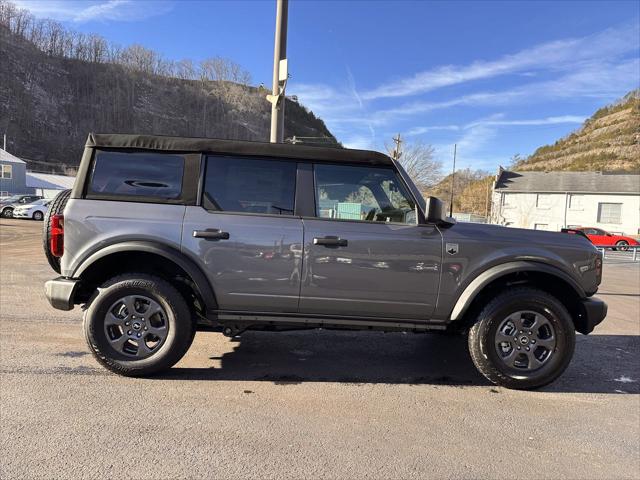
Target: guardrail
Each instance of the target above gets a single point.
(631, 249)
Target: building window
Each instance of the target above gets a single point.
(543, 201)
(610, 213)
(7, 171)
(575, 202)
(541, 226)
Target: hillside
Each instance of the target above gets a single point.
(48, 105)
(608, 141)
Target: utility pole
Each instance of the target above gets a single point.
(486, 207)
(397, 152)
(280, 72)
(453, 179)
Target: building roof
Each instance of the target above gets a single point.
(8, 158)
(234, 147)
(573, 182)
(49, 181)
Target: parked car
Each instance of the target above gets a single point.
(601, 238)
(163, 236)
(34, 210)
(7, 206)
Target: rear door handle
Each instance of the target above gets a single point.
(330, 241)
(211, 234)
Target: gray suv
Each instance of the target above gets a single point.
(164, 236)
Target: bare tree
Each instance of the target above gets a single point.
(184, 69)
(419, 162)
(220, 70)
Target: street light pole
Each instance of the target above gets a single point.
(279, 54)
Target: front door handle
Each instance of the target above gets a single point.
(211, 234)
(330, 241)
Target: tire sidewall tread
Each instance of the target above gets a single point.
(481, 338)
(55, 207)
(181, 325)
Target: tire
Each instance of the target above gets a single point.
(7, 212)
(622, 245)
(55, 207)
(522, 305)
(179, 326)
(38, 216)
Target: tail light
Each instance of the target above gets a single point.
(599, 268)
(56, 235)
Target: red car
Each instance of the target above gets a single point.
(601, 237)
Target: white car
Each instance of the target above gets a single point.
(35, 210)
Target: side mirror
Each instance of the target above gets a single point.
(435, 212)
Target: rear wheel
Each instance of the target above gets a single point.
(622, 245)
(55, 207)
(523, 339)
(37, 215)
(138, 325)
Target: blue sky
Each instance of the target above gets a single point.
(497, 78)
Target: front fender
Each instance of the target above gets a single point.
(485, 278)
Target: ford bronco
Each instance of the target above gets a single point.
(164, 236)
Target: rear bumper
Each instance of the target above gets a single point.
(594, 312)
(60, 292)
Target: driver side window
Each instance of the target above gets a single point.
(373, 194)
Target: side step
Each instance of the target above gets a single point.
(233, 324)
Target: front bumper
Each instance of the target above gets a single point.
(21, 214)
(593, 313)
(60, 292)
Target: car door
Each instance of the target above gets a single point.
(599, 237)
(365, 255)
(244, 234)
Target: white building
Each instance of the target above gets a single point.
(555, 200)
(48, 185)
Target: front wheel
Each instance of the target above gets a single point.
(138, 325)
(523, 339)
(7, 212)
(38, 215)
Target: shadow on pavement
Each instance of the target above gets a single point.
(601, 364)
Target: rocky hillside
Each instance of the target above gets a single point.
(48, 105)
(608, 141)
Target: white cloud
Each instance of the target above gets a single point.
(86, 11)
(420, 130)
(534, 121)
(361, 142)
(560, 55)
(602, 80)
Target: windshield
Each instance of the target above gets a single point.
(13, 199)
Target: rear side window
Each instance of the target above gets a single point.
(250, 185)
(137, 174)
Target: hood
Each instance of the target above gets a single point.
(522, 236)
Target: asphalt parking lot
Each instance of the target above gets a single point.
(305, 404)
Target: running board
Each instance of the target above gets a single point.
(234, 322)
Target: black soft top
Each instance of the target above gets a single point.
(234, 147)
